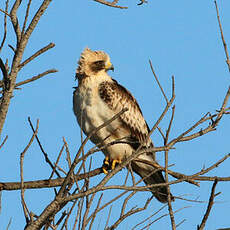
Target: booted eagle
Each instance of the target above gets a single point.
(97, 99)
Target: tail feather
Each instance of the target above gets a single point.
(161, 193)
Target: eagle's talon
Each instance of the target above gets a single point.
(106, 165)
(106, 161)
(104, 170)
(114, 163)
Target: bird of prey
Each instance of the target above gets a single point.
(97, 99)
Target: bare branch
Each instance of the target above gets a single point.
(36, 19)
(26, 16)
(210, 204)
(39, 52)
(14, 20)
(46, 183)
(21, 44)
(36, 77)
(5, 25)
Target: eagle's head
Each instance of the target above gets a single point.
(92, 62)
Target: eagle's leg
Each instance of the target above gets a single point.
(106, 165)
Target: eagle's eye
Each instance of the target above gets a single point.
(97, 66)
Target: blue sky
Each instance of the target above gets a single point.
(181, 38)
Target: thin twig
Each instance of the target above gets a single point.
(109, 215)
(148, 218)
(180, 223)
(61, 218)
(222, 37)
(169, 199)
(95, 211)
(39, 52)
(4, 141)
(36, 77)
(165, 110)
(158, 82)
(56, 163)
(126, 202)
(169, 127)
(68, 214)
(157, 219)
(203, 171)
(24, 206)
(68, 158)
(77, 217)
(43, 152)
(5, 25)
(87, 208)
(111, 4)
(106, 204)
(129, 213)
(8, 225)
(223, 107)
(6, 13)
(172, 173)
(26, 16)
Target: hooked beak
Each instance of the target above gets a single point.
(109, 66)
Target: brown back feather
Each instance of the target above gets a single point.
(117, 98)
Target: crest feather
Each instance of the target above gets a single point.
(87, 57)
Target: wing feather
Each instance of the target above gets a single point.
(117, 98)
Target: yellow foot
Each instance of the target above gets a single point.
(114, 163)
(106, 165)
